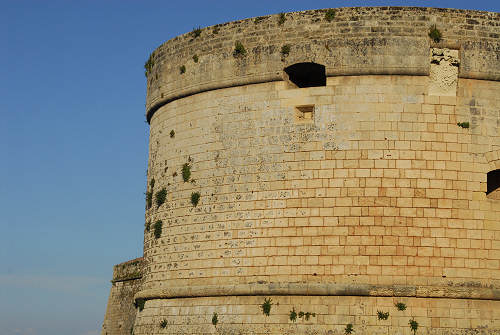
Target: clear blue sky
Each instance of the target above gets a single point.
(73, 144)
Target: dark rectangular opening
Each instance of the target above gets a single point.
(493, 181)
(306, 74)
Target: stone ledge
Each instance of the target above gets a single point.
(129, 278)
(322, 289)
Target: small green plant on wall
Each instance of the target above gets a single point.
(160, 197)
(285, 50)
(258, 19)
(195, 58)
(330, 14)
(182, 69)
(348, 329)
(281, 19)
(195, 198)
(149, 199)
(413, 326)
(157, 228)
(215, 319)
(196, 32)
(306, 315)
(186, 172)
(149, 194)
(382, 315)
(293, 315)
(172, 133)
(239, 50)
(163, 323)
(148, 66)
(464, 125)
(435, 34)
(400, 306)
(266, 306)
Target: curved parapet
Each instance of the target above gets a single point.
(356, 41)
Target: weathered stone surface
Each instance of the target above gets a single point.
(359, 41)
(340, 199)
(121, 312)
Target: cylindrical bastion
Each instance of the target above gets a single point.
(338, 166)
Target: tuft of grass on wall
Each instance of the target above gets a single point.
(186, 172)
(157, 228)
(285, 50)
(195, 198)
(281, 19)
(149, 199)
(266, 306)
(400, 306)
(163, 323)
(413, 326)
(330, 15)
(148, 66)
(239, 50)
(258, 19)
(196, 32)
(382, 315)
(435, 34)
(349, 329)
(307, 315)
(160, 197)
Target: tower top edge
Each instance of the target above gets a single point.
(360, 10)
(346, 40)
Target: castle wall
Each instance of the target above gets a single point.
(339, 200)
(382, 187)
(380, 194)
(243, 315)
(120, 311)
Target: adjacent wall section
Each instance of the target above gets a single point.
(121, 311)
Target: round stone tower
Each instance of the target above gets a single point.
(325, 172)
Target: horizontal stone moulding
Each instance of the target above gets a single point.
(322, 289)
(126, 278)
